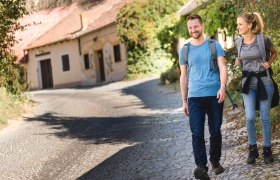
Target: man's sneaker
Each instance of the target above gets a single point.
(217, 168)
(201, 173)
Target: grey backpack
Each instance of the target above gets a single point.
(261, 43)
(213, 62)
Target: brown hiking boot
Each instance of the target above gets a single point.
(217, 168)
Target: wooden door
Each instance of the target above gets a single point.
(46, 74)
(101, 65)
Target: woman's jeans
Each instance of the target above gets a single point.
(250, 104)
(198, 108)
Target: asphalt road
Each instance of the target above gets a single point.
(123, 130)
(119, 131)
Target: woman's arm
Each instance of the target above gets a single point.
(273, 56)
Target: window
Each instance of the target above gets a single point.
(65, 63)
(86, 61)
(117, 53)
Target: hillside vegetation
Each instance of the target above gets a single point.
(12, 106)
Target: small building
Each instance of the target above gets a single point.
(69, 47)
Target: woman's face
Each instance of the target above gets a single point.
(243, 27)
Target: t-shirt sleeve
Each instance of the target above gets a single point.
(220, 51)
(181, 57)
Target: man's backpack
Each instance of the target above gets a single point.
(213, 63)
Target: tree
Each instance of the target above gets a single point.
(139, 24)
(10, 12)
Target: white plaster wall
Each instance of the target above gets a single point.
(60, 78)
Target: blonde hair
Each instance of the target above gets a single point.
(256, 20)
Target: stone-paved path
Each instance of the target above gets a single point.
(123, 130)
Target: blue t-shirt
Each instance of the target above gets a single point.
(202, 81)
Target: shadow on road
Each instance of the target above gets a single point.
(156, 143)
(165, 159)
(102, 130)
(152, 142)
(155, 96)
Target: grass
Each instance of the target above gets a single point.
(11, 106)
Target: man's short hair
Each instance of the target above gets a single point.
(194, 16)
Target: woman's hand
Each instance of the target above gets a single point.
(266, 65)
(237, 62)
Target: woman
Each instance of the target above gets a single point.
(257, 83)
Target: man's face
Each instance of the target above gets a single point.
(195, 28)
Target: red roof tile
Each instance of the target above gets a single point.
(62, 31)
(54, 25)
(38, 24)
(105, 18)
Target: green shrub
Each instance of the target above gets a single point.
(12, 76)
(169, 76)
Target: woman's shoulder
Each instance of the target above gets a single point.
(265, 37)
(238, 41)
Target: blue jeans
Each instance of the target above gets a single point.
(250, 104)
(198, 108)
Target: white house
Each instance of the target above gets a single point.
(70, 47)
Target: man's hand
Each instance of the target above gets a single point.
(185, 108)
(221, 95)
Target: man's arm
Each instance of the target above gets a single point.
(184, 88)
(223, 78)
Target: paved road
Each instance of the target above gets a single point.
(123, 130)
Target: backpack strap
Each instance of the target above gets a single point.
(186, 52)
(214, 60)
(261, 43)
(239, 42)
(260, 39)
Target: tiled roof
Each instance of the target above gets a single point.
(38, 24)
(107, 17)
(54, 25)
(62, 31)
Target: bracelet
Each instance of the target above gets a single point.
(223, 85)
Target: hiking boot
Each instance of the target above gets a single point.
(267, 155)
(217, 168)
(201, 173)
(253, 154)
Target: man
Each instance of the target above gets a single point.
(203, 92)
